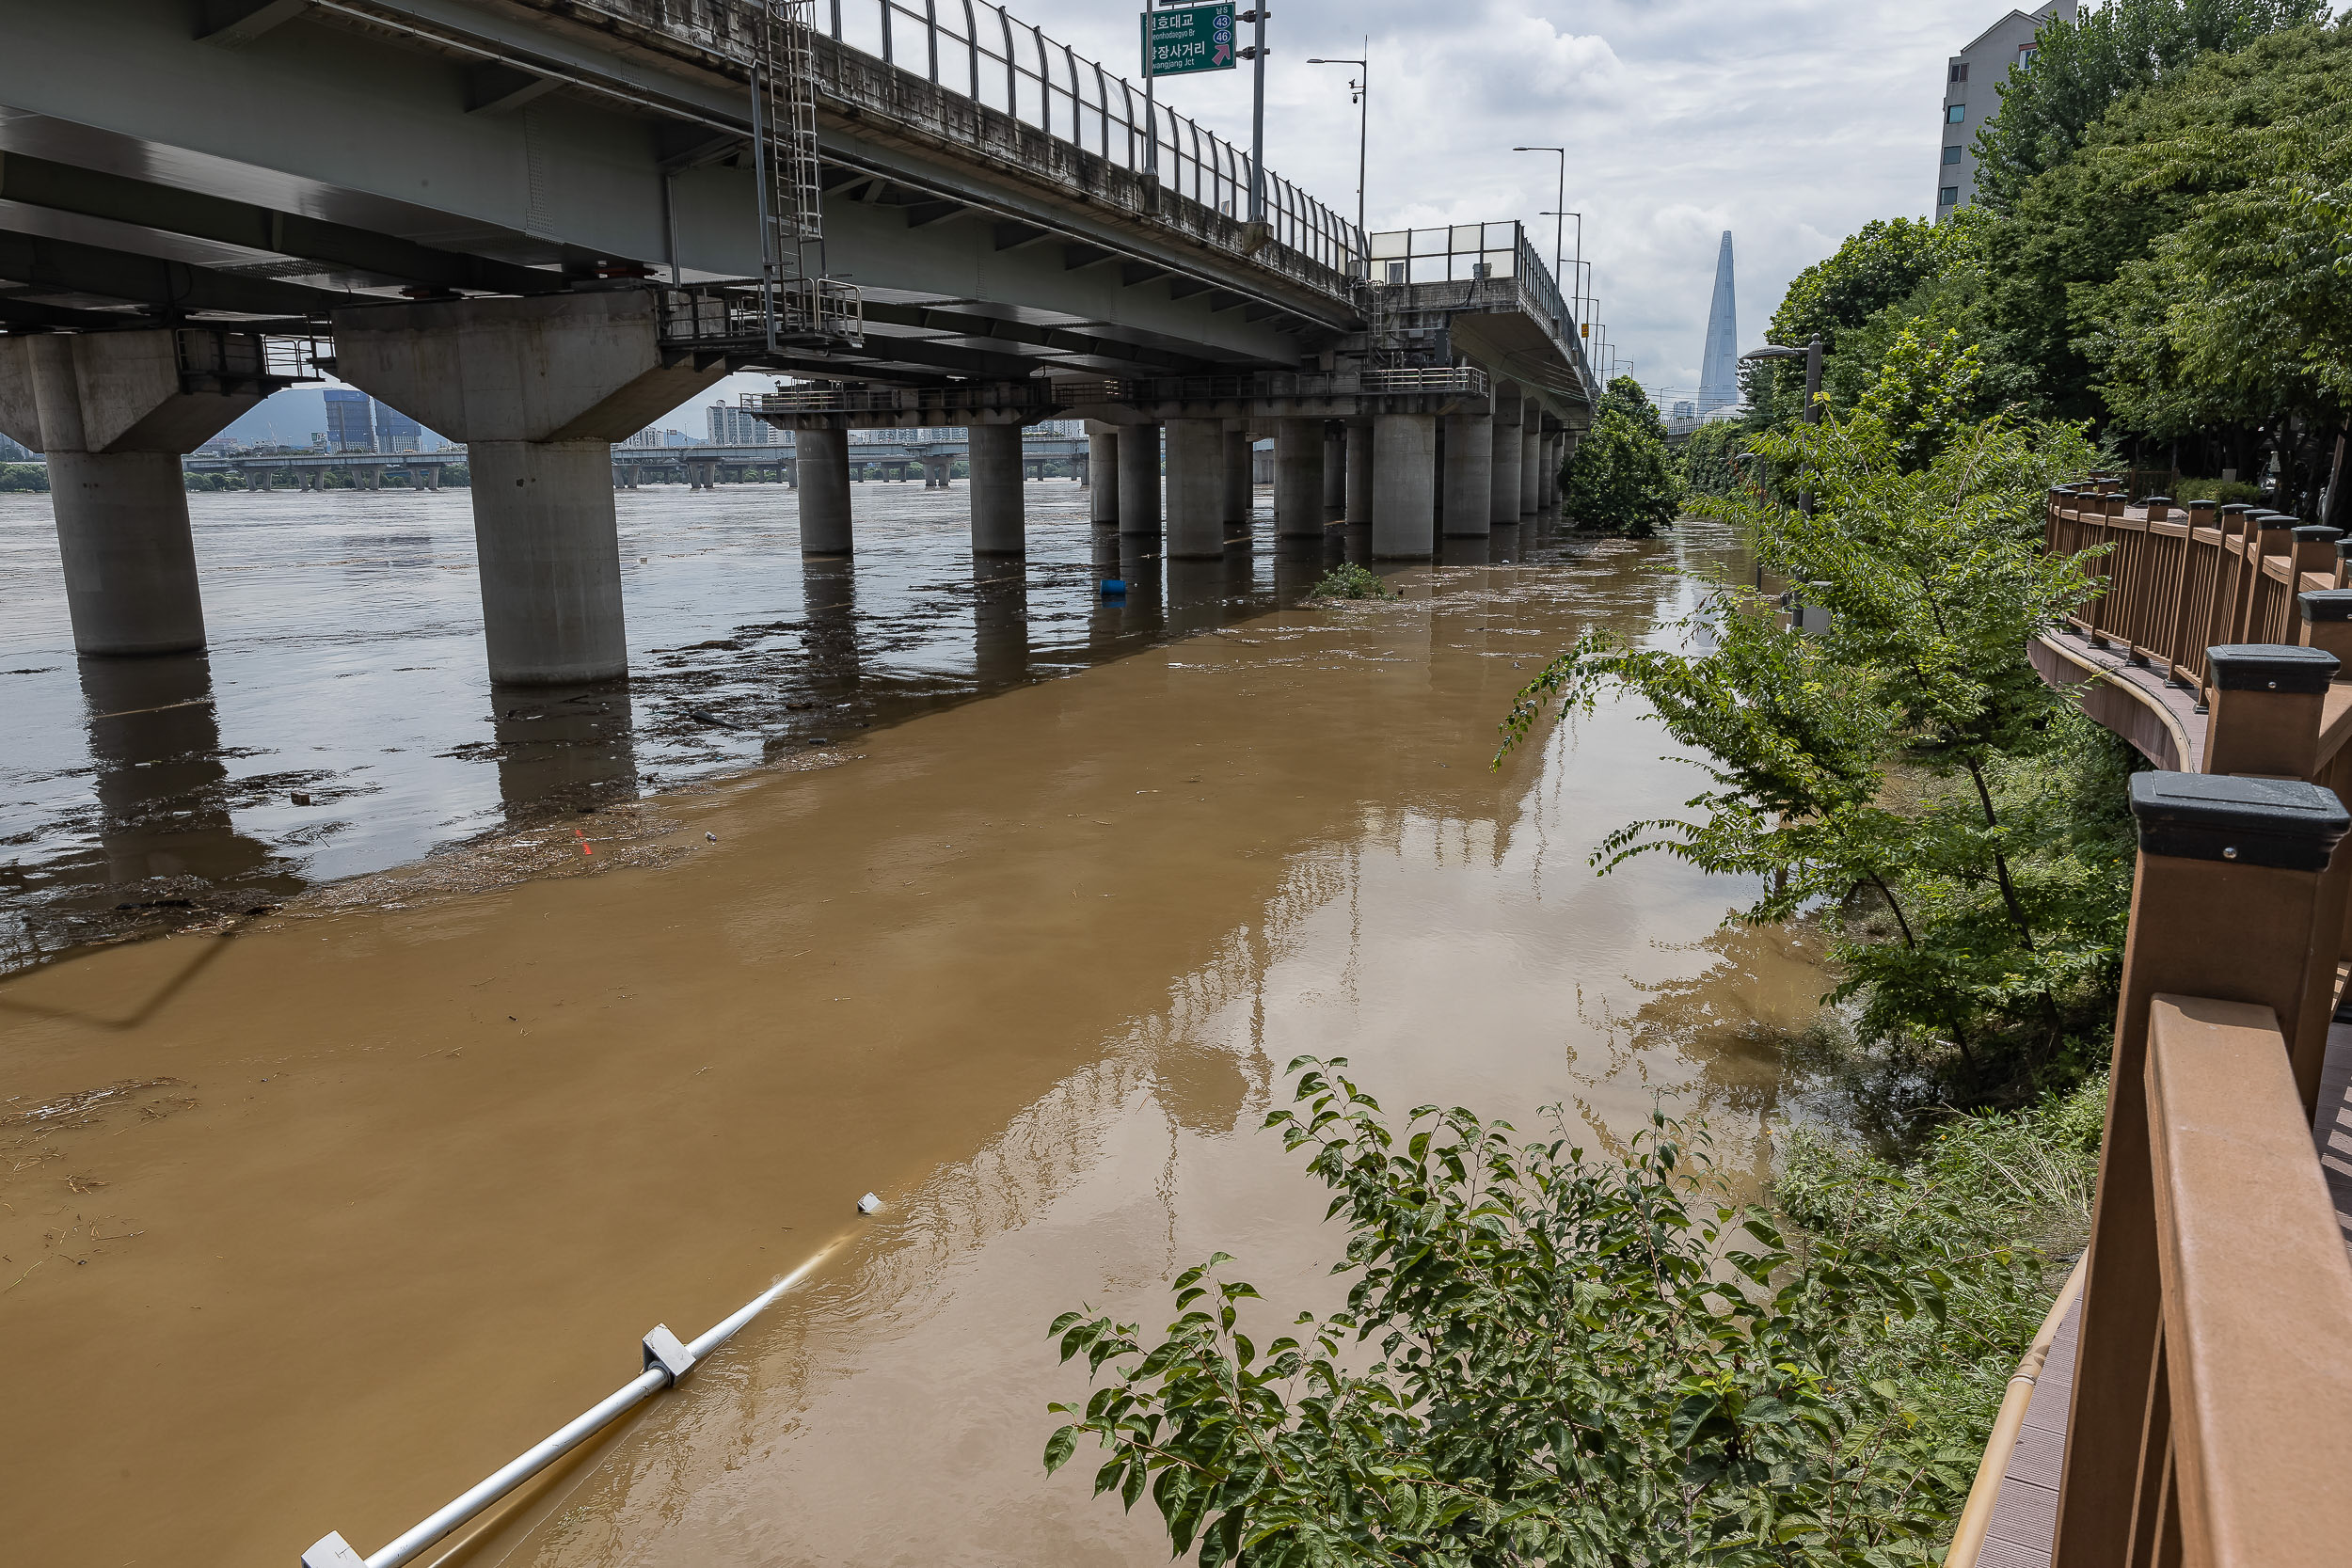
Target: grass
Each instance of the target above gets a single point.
(1992, 1209)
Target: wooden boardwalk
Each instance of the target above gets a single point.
(2024, 1511)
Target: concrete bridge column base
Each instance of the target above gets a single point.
(1103, 464)
(1466, 509)
(1504, 502)
(1361, 505)
(1530, 467)
(1139, 480)
(998, 525)
(550, 548)
(1240, 484)
(1405, 473)
(1299, 481)
(1334, 472)
(1196, 489)
(824, 462)
(130, 560)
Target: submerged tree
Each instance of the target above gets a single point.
(1621, 478)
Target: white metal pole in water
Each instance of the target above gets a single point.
(666, 1361)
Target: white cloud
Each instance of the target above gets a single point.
(1791, 122)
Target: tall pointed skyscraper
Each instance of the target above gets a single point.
(1719, 367)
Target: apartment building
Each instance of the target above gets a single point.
(1972, 81)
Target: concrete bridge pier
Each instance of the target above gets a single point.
(1103, 458)
(1531, 461)
(1240, 486)
(114, 414)
(1139, 480)
(539, 388)
(1404, 472)
(824, 457)
(998, 524)
(1466, 510)
(1334, 472)
(1509, 449)
(1196, 489)
(1298, 479)
(1360, 507)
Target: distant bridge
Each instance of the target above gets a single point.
(703, 466)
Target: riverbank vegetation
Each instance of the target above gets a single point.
(1550, 1359)
(1903, 770)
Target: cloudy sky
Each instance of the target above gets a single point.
(1789, 123)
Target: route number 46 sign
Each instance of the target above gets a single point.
(1186, 39)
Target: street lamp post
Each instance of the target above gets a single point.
(1559, 225)
(1811, 355)
(1576, 260)
(1361, 90)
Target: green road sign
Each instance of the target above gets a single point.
(1188, 39)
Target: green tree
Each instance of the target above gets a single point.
(1571, 1362)
(1621, 478)
(1908, 767)
(2081, 67)
(1882, 262)
(1708, 453)
(2239, 313)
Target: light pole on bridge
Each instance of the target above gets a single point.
(1360, 89)
(1559, 225)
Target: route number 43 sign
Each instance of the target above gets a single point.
(1179, 42)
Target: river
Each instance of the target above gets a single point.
(314, 1217)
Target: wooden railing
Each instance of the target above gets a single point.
(2212, 1409)
(2177, 581)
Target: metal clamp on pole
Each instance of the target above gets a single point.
(667, 1360)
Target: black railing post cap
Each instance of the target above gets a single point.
(2314, 533)
(2327, 604)
(2151, 502)
(2236, 506)
(2285, 824)
(2265, 521)
(2287, 668)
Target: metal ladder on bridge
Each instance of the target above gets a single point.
(801, 304)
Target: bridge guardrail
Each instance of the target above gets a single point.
(1480, 252)
(981, 53)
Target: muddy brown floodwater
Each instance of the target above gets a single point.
(311, 1223)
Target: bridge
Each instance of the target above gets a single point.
(536, 224)
(2184, 1403)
